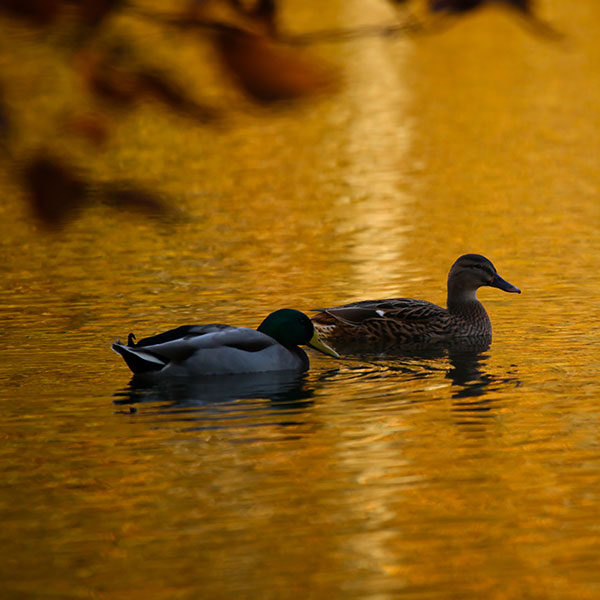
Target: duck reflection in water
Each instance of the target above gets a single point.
(470, 406)
(467, 362)
(279, 386)
(282, 389)
(473, 400)
(462, 361)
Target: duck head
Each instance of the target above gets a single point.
(291, 328)
(472, 271)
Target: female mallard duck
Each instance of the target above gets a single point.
(404, 320)
(223, 349)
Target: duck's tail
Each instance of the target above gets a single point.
(138, 360)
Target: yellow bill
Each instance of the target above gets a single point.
(318, 344)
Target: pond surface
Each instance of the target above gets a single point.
(471, 474)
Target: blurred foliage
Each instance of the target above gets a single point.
(101, 73)
(522, 8)
(104, 73)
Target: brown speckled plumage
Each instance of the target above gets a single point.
(404, 320)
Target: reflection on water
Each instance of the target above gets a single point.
(474, 387)
(278, 386)
(473, 404)
(221, 402)
(467, 362)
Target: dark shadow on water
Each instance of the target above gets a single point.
(472, 405)
(220, 402)
(467, 371)
(467, 360)
(464, 363)
(282, 388)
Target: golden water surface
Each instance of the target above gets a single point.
(375, 476)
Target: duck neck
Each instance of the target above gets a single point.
(464, 305)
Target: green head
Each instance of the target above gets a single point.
(291, 328)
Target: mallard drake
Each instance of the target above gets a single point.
(223, 349)
(404, 320)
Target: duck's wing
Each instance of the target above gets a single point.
(181, 344)
(397, 309)
(179, 333)
(395, 319)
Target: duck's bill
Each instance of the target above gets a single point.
(503, 285)
(318, 344)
